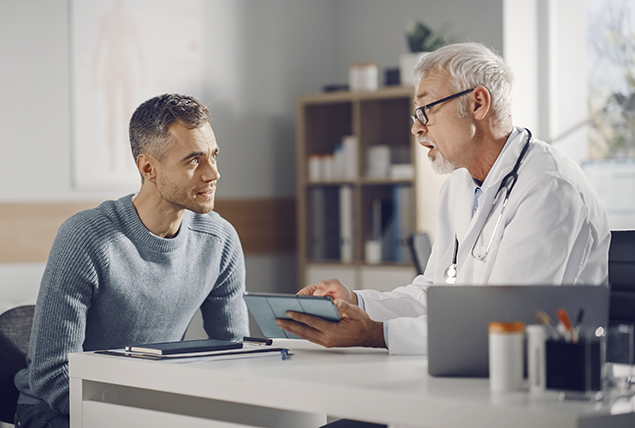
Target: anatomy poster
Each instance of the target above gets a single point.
(124, 52)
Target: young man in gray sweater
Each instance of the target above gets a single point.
(135, 270)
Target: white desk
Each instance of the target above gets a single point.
(109, 391)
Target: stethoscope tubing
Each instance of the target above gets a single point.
(451, 271)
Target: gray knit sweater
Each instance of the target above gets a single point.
(109, 282)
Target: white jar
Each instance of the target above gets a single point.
(506, 356)
(363, 76)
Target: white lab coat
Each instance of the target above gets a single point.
(553, 231)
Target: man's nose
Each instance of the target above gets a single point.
(417, 128)
(211, 171)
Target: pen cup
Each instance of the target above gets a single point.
(575, 369)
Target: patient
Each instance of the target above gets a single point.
(136, 270)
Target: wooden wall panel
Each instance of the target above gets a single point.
(27, 230)
(265, 226)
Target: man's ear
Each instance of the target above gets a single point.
(481, 102)
(147, 167)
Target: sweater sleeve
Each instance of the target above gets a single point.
(224, 311)
(59, 323)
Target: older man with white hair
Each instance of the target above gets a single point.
(513, 211)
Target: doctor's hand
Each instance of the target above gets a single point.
(330, 287)
(354, 329)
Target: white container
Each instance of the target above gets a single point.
(378, 161)
(506, 356)
(327, 170)
(363, 76)
(349, 143)
(373, 252)
(315, 168)
(536, 372)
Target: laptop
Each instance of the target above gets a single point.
(458, 317)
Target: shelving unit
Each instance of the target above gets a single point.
(327, 230)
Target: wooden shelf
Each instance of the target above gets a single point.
(379, 118)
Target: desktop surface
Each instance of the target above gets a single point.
(358, 384)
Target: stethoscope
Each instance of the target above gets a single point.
(508, 183)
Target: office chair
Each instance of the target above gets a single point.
(420, 248)
(15, 331)
(622, 277)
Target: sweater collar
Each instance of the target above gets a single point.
(141, 235)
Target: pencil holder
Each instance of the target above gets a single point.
(575, 369)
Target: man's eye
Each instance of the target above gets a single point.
(194, 161)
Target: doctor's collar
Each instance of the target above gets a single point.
(515, 133)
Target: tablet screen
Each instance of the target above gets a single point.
(266, 307)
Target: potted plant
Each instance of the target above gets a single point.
(420, 40)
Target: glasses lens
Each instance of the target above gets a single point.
(421, 116)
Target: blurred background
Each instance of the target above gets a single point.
(71, 72)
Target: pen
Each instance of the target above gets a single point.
(578, 322)
(257, 341)
(546, 321)
(285, 354)
(565, 322)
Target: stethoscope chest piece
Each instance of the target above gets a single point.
(449, 275)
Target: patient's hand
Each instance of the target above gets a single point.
(333, 288)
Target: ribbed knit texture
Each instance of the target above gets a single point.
(109, 283)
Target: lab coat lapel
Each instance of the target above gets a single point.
(473, 226)
(463, 206)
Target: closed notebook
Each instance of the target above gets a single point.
(184, 347)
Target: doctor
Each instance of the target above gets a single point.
(513, 211)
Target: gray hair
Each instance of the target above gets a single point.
(470, 65)
(151, 120)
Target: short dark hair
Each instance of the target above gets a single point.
(150, 122)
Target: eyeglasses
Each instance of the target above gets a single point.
(420, 113)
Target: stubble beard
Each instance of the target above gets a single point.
(176, 197)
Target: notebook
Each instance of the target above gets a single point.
(184, 347)
(458, 317)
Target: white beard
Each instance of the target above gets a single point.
(439, 164)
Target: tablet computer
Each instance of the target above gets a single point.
(266, 307)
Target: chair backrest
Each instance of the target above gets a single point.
(15, 331)
(420, 248)
(622, 277)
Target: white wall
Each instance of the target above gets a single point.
(34, 115)
(374, 30)
(259, 56)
